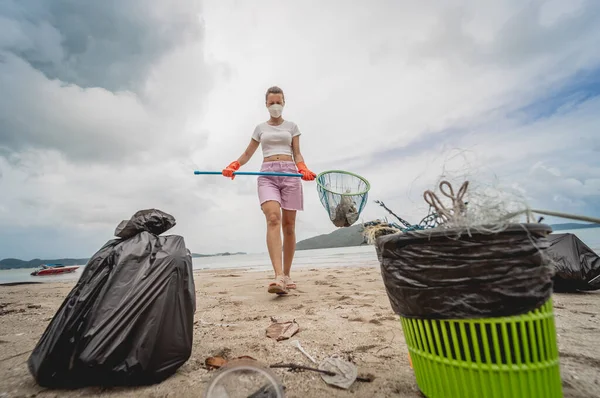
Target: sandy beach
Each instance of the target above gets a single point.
(340, 311)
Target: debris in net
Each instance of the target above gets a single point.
(282, 330)
(345, 373)
(346, 212)
(296, 344)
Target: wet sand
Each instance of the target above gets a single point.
(340, 311)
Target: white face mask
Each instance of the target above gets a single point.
(275, 110)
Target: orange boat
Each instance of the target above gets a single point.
(54, 269)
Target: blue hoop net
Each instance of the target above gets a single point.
(343, 195)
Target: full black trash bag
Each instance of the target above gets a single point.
(151, 220)
(577, 266)
(432, 274)
(129, 319)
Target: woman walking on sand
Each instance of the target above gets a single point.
(280, 197)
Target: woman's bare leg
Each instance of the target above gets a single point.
(272, 212)
(289, 239)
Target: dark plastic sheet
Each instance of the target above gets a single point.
(432, 274)
(129, 319)
(577, 266)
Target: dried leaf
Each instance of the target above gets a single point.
(282, 330)
(215, 362)
(346, 372)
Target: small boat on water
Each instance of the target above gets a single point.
(54, 269)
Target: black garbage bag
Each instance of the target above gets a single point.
(577, 266)
(433, 274)
(129, 319)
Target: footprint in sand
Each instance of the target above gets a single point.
(365, 348)
(358, 319)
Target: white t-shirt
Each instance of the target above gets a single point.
(276, 140)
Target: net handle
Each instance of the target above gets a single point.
(250, 173)
(366, 190)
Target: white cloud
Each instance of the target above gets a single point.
(394, 91)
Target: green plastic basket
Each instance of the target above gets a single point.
(514, 356)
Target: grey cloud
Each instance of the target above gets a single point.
(101, 81)
(109, 44)
(521, 39)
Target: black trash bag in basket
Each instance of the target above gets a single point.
(129, 319)
(433, 274)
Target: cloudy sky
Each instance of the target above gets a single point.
(108, 107)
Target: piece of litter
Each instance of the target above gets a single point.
(218, 361)
(345, 372)
(346, 212)
(215, 362)
(296, 344)
(282, 330)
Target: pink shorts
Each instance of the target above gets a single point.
(285, 190)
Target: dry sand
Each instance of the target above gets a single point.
(343, 311)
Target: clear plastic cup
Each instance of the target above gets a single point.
(244, 379)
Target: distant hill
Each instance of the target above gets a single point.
(12, 263)
(196, 255)
(343, 237)
(352, 236)
(15, 263)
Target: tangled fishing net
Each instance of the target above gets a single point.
(484, 210)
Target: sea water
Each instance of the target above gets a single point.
(358, 256)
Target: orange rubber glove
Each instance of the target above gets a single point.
(228, 171)
(307, 175)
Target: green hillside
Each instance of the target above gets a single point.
(15, 263)
(343, 237)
